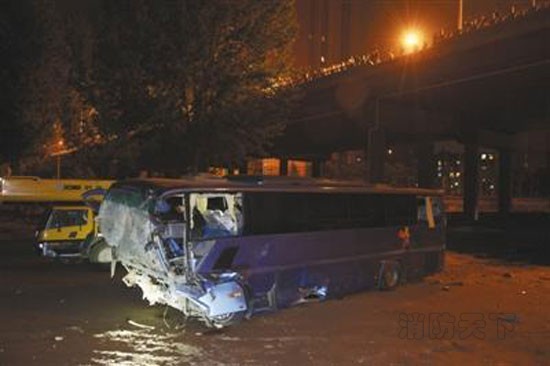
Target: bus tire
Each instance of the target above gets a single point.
(389, 275)
(100, 252)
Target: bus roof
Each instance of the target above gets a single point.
(242, 183)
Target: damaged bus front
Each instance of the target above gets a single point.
(222, 249)
(151, 237)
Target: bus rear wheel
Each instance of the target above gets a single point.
(390, 275)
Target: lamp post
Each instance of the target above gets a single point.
(58, 175)
(460, 15)
(60, 150)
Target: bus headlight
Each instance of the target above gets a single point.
(235, 294)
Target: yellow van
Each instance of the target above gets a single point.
(71, 231)
(64, 230)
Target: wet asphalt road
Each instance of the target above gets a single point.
(54, 313)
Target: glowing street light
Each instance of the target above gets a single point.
(60, 150)
(411, 40)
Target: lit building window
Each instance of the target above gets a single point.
(271, 166)
(264, 166)
(299, 168)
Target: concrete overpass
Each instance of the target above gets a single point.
(480, 88)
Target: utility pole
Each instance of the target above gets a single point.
(460, 15)
(58, 166)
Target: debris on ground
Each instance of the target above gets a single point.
(142, 326)
(76, 329)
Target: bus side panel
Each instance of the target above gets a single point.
(266, 253)
(293, 267)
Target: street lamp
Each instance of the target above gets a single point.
(411, 40)
(60, 150)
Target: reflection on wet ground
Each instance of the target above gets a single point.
(192, 344)
(143, 347)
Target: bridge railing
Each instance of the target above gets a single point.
(379, 56)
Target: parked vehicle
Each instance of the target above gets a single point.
(222, 249)
(68, 228)
(72, 231)
(64, 230)
(28, 189)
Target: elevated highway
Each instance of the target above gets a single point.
(480, 88)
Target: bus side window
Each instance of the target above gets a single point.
(216, 215)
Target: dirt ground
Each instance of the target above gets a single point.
(478, 311)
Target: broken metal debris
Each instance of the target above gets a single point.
(142, 326)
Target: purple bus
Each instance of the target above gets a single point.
(222, 249)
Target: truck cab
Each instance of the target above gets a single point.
(64, 231)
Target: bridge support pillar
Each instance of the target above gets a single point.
(242, 166)
(425, 166)
(317, 168)
(471, 180)
(375, 155)
(283, 167)
(504, 181)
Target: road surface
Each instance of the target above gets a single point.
(478, 311)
